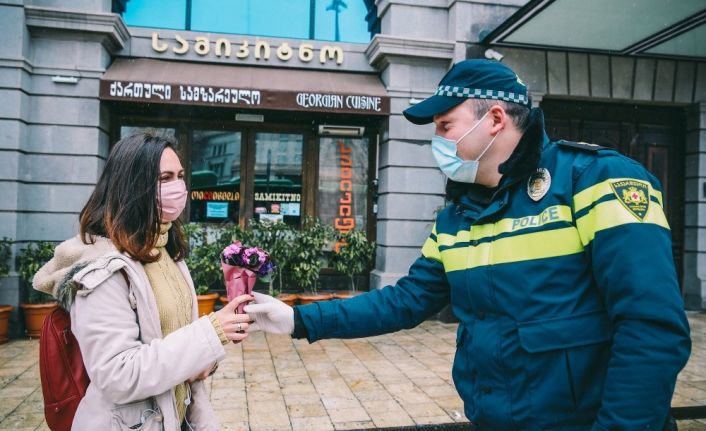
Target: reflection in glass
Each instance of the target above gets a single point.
(167, 132)
(156, 13)
(278, 177)
(334, 20)
(277, 18)
(343, 183)
(215, 176)
(339, 20)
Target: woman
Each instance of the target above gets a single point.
(132, 301)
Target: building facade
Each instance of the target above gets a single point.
(285, 115)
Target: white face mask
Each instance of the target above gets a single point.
(457, 169)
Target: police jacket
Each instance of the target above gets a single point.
(564, 284)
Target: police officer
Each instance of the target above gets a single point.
(555, 256)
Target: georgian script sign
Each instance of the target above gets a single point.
(260, 50)
(186, 94)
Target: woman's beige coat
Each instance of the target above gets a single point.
(132, 367)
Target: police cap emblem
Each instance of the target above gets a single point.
(634, 195)
(538, 184)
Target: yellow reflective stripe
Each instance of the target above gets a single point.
(548, 215)
(586, 197)
(611, 214)
(445, 239)
(531, 246)
(431, 250)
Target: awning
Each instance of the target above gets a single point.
(667, 28)
(243, 87)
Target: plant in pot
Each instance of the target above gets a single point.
(203, 264)
(276, 238)
(39, 304)
(352, 256)
(307, 259)
(5, 310)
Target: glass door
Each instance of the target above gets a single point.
(277, 184)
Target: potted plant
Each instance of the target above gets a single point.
(39, 304)
(203, 263)
(276, 238)
(307, 259)
(5, 310)
(353, 256)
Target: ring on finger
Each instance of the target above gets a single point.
(240, 327)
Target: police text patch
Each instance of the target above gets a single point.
(634, 195)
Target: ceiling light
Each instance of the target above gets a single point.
(326, 129)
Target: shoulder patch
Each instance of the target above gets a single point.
(581, 145)
(634, 195)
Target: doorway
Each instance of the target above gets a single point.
(652, 135)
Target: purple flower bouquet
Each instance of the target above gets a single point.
(242, 266)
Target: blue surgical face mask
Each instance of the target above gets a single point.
(457, 169)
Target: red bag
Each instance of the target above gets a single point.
(61, 369)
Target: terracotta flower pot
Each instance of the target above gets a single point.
(288, 298)
(309, 297)
(207, 303)
(5, 311)
(35, 315)
(345, 294)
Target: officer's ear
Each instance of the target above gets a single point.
(499, 118)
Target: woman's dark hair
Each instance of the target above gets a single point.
(123, 206)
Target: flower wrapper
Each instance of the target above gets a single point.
(239, 281)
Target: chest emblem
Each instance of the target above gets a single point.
(634, 195)
(538, 184)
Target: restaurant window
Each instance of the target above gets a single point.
(166, 132)
(343, 183)
(250, 173)
(215, 176)
(332, 20)
(278, 177)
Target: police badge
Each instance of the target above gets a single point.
(538, 184)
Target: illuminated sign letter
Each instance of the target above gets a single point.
(184, 45)
(331, 52)
(202, 45)
(306, 52)
(262, 48)
(222, 44)
(156, 44)
(284, 52)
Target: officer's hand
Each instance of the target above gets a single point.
(234, 326)
(270, 315)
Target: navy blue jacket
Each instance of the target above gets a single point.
(570, 312)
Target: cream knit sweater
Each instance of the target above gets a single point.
(173, 298)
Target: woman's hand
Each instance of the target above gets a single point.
(205, 373)
(234, 326)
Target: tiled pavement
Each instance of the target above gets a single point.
(275, 383)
